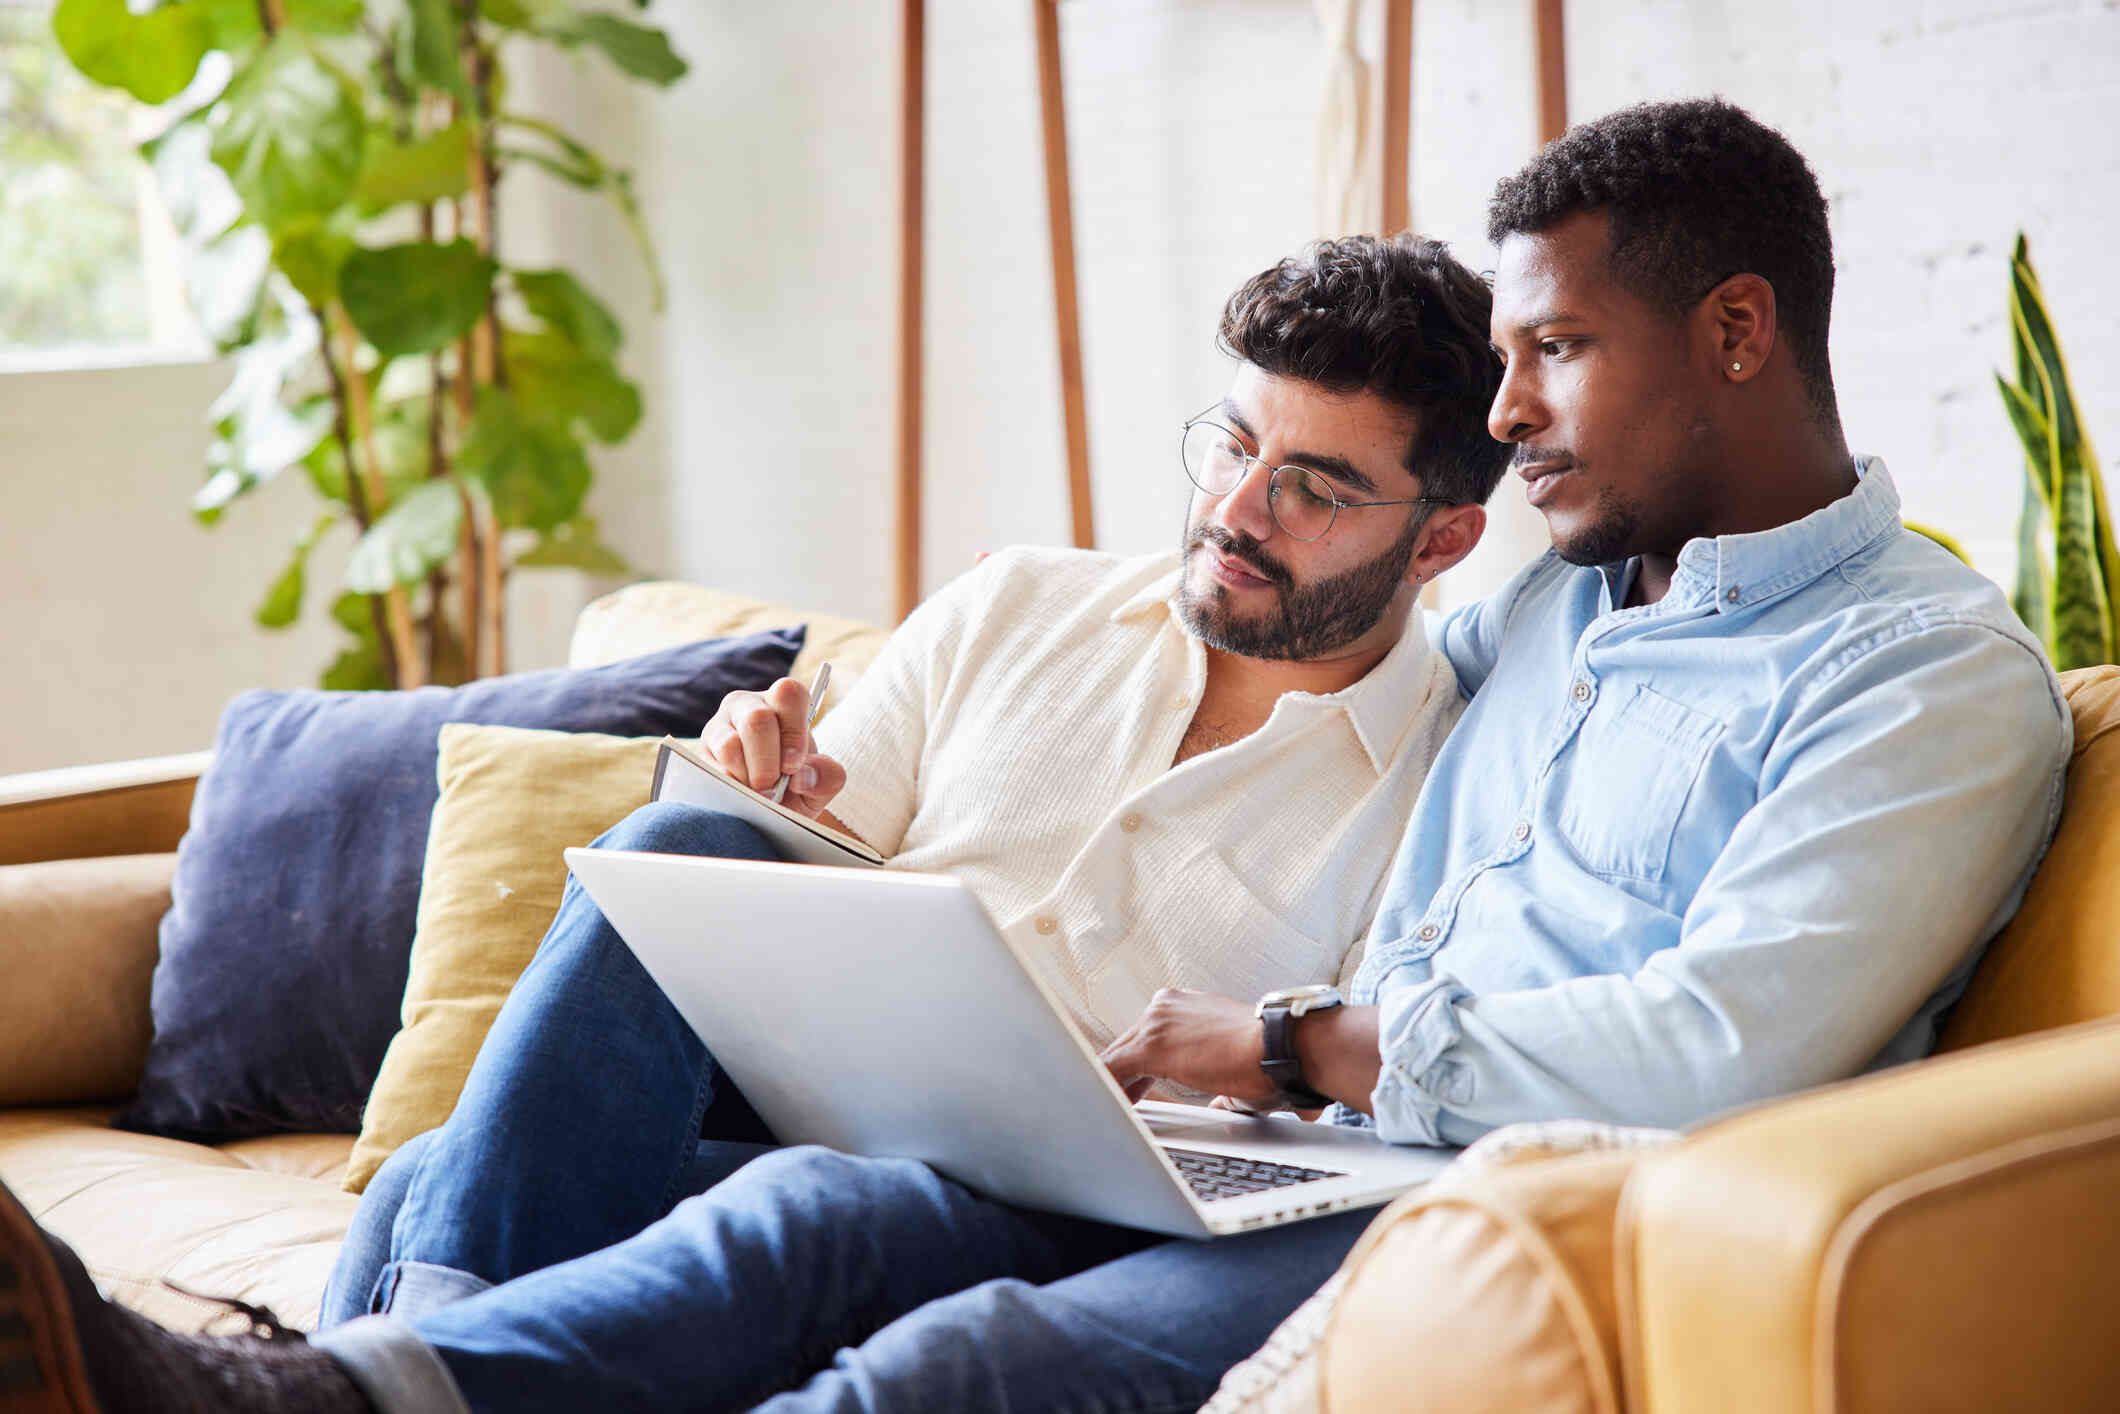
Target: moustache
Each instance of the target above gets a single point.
(1528, 455)
(1246, 551)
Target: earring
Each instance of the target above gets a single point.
(1737, 368)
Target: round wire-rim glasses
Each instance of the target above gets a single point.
(1215, 461)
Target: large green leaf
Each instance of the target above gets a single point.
(431, 44)
(567, 308)
(290, 135)
(359, 668)
(575, 545)
(151, 56)
(640, 50)
(235, 24)
(433, 168)
(556, 381)
(411, 538)
(2083, 618)
(310, 254)
(417, 297)
(282, 604)
(532, 467)
(2030, 596)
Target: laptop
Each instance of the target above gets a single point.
(883, 1013)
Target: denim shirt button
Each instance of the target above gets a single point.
(1523, 831)
(1582, 692)
(1428, 932)
(1734, 594)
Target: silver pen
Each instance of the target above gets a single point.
(824, 678)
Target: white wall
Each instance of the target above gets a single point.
(1937, 127)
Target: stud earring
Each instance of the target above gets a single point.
(1737, 368)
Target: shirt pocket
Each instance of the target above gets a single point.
(1224, 939)
(1636, 762)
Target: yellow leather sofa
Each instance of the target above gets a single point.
(1943, 1236)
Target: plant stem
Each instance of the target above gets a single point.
(397, 613)
(356, 494)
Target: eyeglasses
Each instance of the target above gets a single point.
(1301, 501)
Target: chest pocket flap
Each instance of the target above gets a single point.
(1634, 764)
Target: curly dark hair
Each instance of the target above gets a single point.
(1399, 317)
(1696, 190)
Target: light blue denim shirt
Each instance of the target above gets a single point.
(1690, 855)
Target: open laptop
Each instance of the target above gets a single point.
(883, 1013)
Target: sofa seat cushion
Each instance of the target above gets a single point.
(260, 1220)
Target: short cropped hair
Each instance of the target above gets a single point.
(1696, 191)
(1399, 317)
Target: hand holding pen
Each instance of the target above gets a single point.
(763, 739)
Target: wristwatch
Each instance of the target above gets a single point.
(1278, 1011)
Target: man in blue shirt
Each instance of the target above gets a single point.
(1750, 772)
(1747, 777)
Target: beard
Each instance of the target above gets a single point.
(1309, 620)
(1612, 534)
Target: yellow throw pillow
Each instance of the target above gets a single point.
(511, 800)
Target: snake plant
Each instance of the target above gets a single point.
(2068, 571)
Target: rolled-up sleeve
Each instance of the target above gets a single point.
(1902, 808)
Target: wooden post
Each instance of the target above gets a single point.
(1060, 221)
(1552, 70)
(1398, 114)
(911, 131)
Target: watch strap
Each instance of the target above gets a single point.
(1281, 1064)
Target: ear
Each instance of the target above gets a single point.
(1741, 326)
(1448, 537)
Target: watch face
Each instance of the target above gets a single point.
(1299, 1000)
(1290, 994)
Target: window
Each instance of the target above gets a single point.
(90, 266)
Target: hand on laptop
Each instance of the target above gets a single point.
(1197, 1039)
(1215, 1044)
(758, 737)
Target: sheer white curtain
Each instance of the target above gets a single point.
(1348, 196)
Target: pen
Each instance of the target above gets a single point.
(824, 677)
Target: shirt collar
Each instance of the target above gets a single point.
(1732, 571)
(1381, 706)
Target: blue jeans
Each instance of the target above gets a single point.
(602, 1224)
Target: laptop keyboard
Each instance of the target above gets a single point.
(1215, 1176)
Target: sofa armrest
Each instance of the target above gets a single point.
(80, 812)
(1938, 1236)
(78, 942)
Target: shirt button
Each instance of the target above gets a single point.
(1428, 932)
(1734, 594)
(1047, 924)
(1582, 692)
(1182, 700)
(1130, 821)
(1523, 830)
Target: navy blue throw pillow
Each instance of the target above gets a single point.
(289, 933)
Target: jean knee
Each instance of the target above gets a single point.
(675, 827)
(826, 1183)
(366, 1248)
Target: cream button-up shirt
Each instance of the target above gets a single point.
(1018, 731)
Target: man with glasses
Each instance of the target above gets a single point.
(1185, 770)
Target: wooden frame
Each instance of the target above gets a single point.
(1397, 212)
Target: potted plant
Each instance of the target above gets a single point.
(2068, 571)
(333, 174)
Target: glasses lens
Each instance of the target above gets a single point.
(1302, 504)
(1213, 458)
